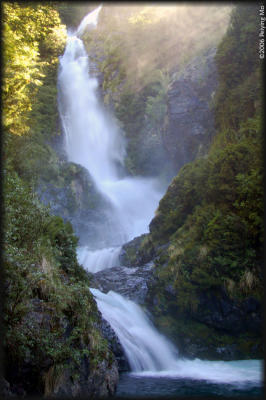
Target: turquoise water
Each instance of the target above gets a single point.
(196, 378)
(141, 386)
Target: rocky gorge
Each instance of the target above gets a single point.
(147, 142)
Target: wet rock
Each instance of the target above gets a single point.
(129, 282)
(170, 289)
(220, 328)
(114, 345)
(194, 349)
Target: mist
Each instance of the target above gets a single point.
(160, 36)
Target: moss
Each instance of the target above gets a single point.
(131, 255)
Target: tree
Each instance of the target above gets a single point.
(29, 33)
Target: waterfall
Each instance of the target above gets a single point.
(145, 348)
(98, 260)
(90, 19)
(150, 354)
(93, 140)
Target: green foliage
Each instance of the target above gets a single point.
(32, 38)
(41, 266)
(44, 115)
(131, 111)
(141, 31)
(50, 316)
(28, 154)
(183, 194)
(24, 215)
(239, 69)
(212, 214)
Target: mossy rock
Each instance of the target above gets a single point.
(137, 252)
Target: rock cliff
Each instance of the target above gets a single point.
(190, 117)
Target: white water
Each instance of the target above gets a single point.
(93, 140)
(229, 372)
(145, 348)
(151, 354)
(89, 20)
(97, 260)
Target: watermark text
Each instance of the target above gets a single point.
(261, 32)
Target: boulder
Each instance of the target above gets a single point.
(129, 282)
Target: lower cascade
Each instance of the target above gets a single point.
(150, 354)
(146, 349)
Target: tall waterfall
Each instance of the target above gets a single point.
(93, 140)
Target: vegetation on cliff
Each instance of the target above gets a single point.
(51, 321)
(211, 217)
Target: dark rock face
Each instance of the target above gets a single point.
(99, 383)
(94, 378)
(236, 317)
(190, 118)
(221, 328)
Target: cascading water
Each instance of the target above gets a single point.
(151, 355)
(93, 140)
(145, 348)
